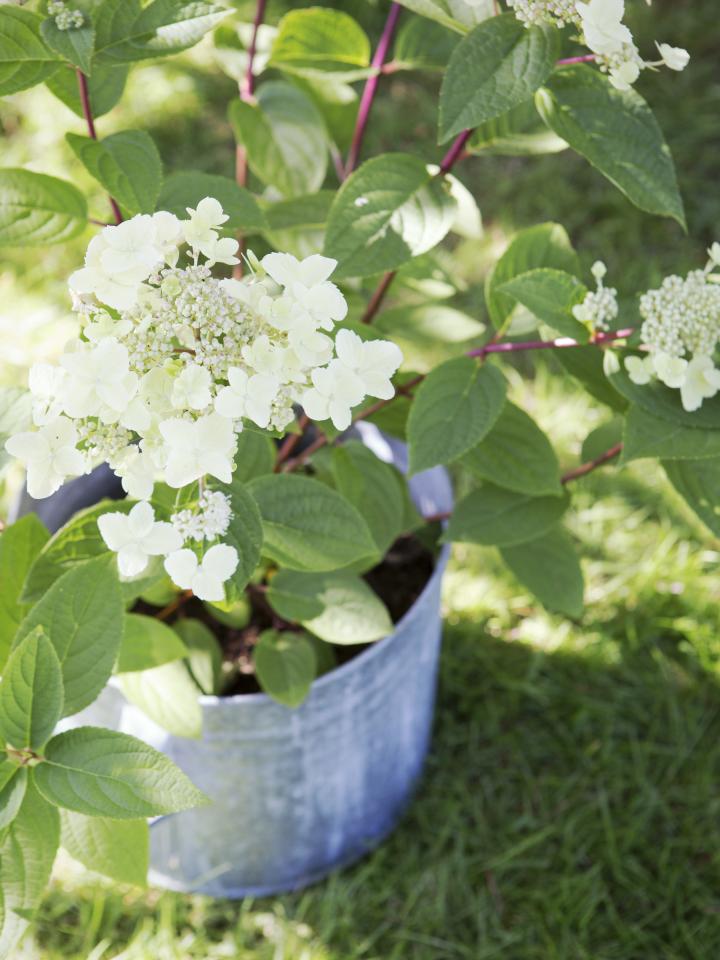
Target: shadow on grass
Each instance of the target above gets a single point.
(569, 810)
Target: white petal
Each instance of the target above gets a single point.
(207, 587)
(282, 267)
(163, 538)
(141, 519)
(115, 530)
(132, 560)
(314, 269)
(220, 561)
(229, 404)
(182, 566)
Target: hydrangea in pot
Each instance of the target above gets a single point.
(261, 611)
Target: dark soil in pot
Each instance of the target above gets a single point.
(398, 580)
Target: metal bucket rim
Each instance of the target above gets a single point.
(209, 701)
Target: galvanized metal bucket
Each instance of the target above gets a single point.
(298, 793)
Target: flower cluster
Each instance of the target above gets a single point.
(681, 330)
(600, 24)
(172, 361)
(599, 309)
(65, 19)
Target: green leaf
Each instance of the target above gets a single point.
(255, 455)
(428, 333)
(389, 210)
(31, 693)
(550, 569)
(119, 849)
(308, 526)
(127, 32)
(454, 408)
(13, 785)
(498, 517)
(146, 643)
(20, 543)
(373, 487)
(36, 210)
(127, 164)
(617, 132)
(187, 188)
(82, 615)
(459, 15)
(298, 225)
(661, 401)
(698, 483)
(75, 45)
(76, 542)
(499, 65)
(245, 534)
(284, 136)
(285, 666)
(105, 774)
(15, 416)
(320, 42)
(648, 436)
(550, 296)
(204, 654)
(168, 695)
(337, 607)
(25, 59)
(599, 440)
(27, 854)
(518, 133)
(423, 46)
(545, 245)
(586, 365)
(517, 455)
(105, 87)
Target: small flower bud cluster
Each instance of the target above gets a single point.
(209, 520)
(532, 12)
(172, 362)
(65, 19)
(599, 309)
(681, 330)
(600, 26)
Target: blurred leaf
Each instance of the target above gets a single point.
(204, 654)
(168, 695)
(550, 569)
(105, 87)
(36, 209)
(423, 46)
(518, 133)
(321, 42)
(25, 58)
(188, 187)
(147, 642)
(550, 295)
(118, 849)
(20, 543)
(601, 439)
(460, 15)
(31, 693)
(648, 436)
(494, 516)
(285, 666)
(698, 483)
(127, 164)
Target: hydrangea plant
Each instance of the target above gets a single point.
(219, 383)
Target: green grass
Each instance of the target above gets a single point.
(570, 807)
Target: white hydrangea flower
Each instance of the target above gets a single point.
(307, 286)
(599, 309)
(640, 369)
(171, 362)
(45, 382)
(191, 388)
(335, 391)
(624, 74)
(49, 454)
(198, 447)
(250, 397)
(670, 370)
(701, 382)
(373, 362)
(97, 379)
(205, 578)
(602, 25)
(137, 536)
(673, 57)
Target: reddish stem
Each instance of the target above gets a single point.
(368, 94)
(588, 58)
(560, 343)
(290, 442)
(377, 298)
(454, 153)
(591, 465)
(89, 120)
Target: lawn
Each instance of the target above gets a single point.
(570, 807)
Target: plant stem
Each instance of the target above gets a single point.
(588, 58)
(247, 92)
(180, 600)
(89, 120)
(591, 465)
(454, 154)
(290, 442)
(560, 343)
(368, 94)
(378, 296)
